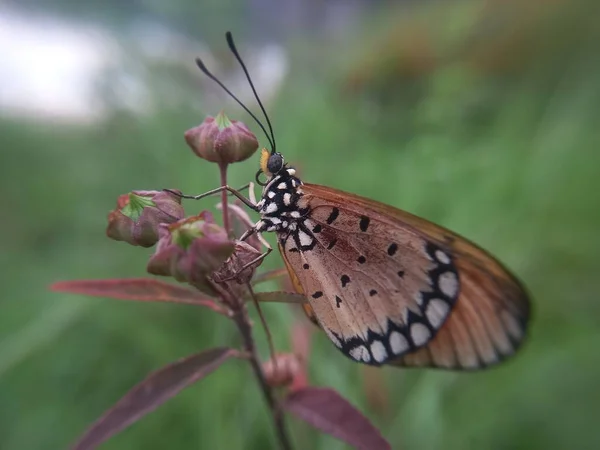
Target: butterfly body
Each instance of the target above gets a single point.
(387, 286)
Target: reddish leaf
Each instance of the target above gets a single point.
(156, 389)
(139, 289)
(328, 411)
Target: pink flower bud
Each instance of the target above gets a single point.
(282, 369)
(138, 215)
(191, 250)
(221, 140)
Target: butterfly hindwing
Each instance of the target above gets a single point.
(388, 287)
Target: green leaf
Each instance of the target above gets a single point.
(136, 206)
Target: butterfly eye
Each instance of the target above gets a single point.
(275, 163)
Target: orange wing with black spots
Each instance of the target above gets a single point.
(390, 288)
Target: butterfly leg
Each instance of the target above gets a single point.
(233, 191)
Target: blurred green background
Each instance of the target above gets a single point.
(483, 116)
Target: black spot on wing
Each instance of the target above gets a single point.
(345, 279)
(338, 301)
(334, 214)
(364, 223)
(392, 249)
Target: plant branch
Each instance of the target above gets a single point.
(242, 321)
(223, 172)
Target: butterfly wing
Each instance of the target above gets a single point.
(389, 287)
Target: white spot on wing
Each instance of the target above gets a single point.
(419, 298)
(436, 312)
(295, 214)
(442, 257)
(378, 351)
(287, 198)
(398, 342)
(271, 208)
(275, 220)
(282, 186)
(419, 333)
(448, 284)
(291, 171)
(360, 353)
(304, 238)
(271, 194)
(293, 183)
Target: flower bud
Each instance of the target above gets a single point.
(221, 140)
(282, 369)
(191, 250)
(138, 215)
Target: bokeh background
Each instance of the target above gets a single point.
(483, 116)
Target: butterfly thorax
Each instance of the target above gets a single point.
(281, 207)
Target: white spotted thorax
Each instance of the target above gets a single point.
(279, 206)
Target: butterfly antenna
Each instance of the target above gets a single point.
(206, 72)
(233, 49)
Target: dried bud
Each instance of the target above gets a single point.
(282, 369)
(191, 250)
(138, 215)
(243, 254)
(221, 140)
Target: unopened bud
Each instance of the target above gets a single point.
(282, 369)
(221, 140)
(138, 215)
(191, 250)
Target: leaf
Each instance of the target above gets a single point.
(137, 289)
(280, 297)
(156, 389)
(328, 411)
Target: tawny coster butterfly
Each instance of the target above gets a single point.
(387, 287)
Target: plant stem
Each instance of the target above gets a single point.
(242, 321)
(223, 172)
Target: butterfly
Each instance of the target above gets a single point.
(385, 286)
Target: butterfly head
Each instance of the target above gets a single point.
(271, 164)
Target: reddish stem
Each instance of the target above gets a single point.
(223, 172)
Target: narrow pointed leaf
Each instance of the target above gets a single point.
(280, 297)
(137, 289)
(156, 389)
(329, 412)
